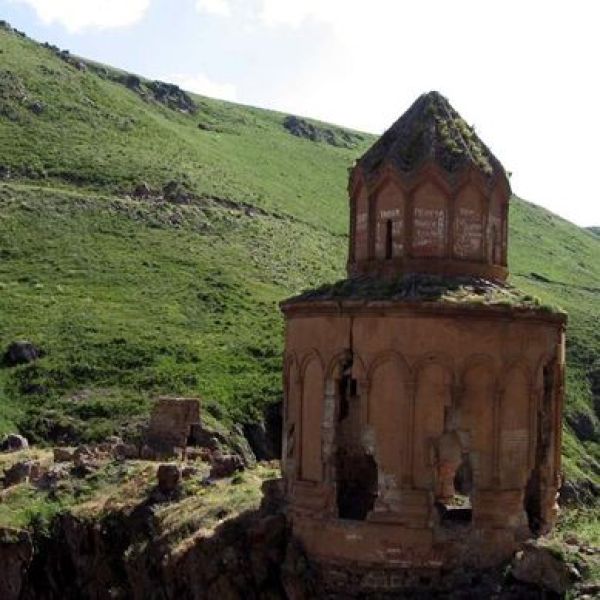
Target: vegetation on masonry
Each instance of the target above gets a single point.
(463, 291)
(174, 289)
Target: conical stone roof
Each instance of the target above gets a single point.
(431, 129)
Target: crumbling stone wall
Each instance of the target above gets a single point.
(442, 430)
(171, 423)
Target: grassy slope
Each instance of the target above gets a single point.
(131, 298)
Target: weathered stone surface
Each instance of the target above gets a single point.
(16, 552)
(52, 476)
(419, 429)
(168, 477)
(21, 352)
(225, 465)
(541, 566)
(189, 471)
(124, 451)
(171, 424)
(14, 442)
(18, 473)
(260, 443)
(63, 454)
(142, 190)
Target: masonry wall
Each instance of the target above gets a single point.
(428, 223)
(442, 401)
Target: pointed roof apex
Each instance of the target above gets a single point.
(431, 129)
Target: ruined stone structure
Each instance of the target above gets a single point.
(423, 395)
(172, 424)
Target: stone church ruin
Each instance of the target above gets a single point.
(423, 394)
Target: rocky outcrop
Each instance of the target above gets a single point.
(122, 555)
(20, 472)
(264, 436)
(542, 567)
(16, 552)
(316, 133)
(13, 442)
(225, 465)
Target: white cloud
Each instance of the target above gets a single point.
(203, 85)
(520, 71)
(221, 8)
(78, 15)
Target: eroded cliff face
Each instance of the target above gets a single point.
(124, 554)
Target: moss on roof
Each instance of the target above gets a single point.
(431, 129)
(464, 291)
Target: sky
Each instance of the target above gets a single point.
(525, 73)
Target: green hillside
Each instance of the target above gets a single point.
(173, 288)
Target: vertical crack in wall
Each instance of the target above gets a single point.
(534, 492)
(356, 475)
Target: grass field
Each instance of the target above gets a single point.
(133, 297)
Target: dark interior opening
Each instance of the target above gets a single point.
(458, 510)
(343, 396)
(388, 238)
(355, 470)
(533, 491)
(356, 484)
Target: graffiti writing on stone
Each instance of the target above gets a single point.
(468, 233)
(429, 231)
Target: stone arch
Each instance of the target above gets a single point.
(514, 425)
(434, 381)
(429, 221)
(311, 417)
(389, 226)
(386, 356)
(389, 415)
(338, 359)
(441, 359)
(476, 408)
(468, 224)
(483, 361)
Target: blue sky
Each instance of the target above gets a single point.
(525, 73)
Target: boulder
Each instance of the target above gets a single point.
(176, 192)
(50, 479)
(21, 352)
(541, 566)
(125, 451)
(169, 478)
(14, 442)
(133, 83)
(194, 454)
(18, 473)
(37, 107)
(142, 190)
(225, 465)
(63, 454)
(189, 471)
(85, 460)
